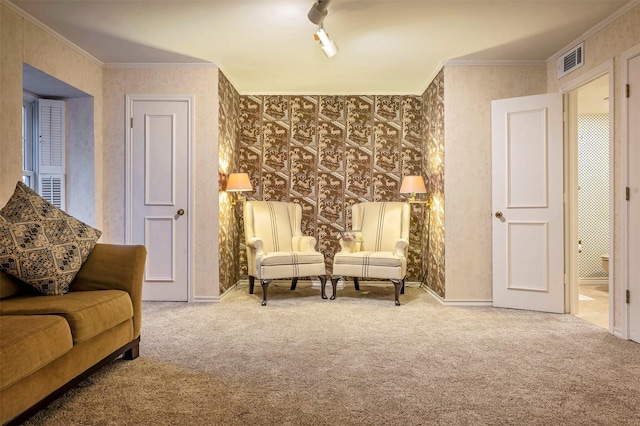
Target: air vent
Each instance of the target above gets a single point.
(571, 60)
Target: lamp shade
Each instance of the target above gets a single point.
(239, 182)
(413, 184)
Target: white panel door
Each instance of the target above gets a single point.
(527, 191)
(633, 205)
(159, 186)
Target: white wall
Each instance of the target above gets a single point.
(21, 42)
(203, 83)
(606, 44)
(25, 42)
(469, 90)
(80, 180)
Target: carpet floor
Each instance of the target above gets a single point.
(359, 360)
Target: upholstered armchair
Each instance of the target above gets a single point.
(276, 247)
(379, 249)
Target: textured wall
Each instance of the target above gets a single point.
(80, 182)
(433, 165)
(24, 42)
(469, 91)
(593, 196)
(228, 127)
(10, 102)
(603, 46)
(203, 84)
(327, 153)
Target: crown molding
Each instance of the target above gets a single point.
(306, 93)
(493, 62)
(50, 31)
(432, 76)
(160, 65)
(596, 28)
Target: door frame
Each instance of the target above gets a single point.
(571, 185)
(130, 99)
(624, 167)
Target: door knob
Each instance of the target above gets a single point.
(499, 214)
(180, 212)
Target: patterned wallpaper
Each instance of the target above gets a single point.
(433, 165)
(593, 197)
(228, 127)
(327, 153)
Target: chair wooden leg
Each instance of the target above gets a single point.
(356, 283)
(294, 283)
(398, 285)
(402, 291)
(265, 285)
(334, 286)
(323, 285)
(252, 281)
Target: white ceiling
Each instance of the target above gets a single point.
(267, 46)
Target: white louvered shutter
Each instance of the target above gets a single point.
(51, 151)
(52, 189)
(51, 136)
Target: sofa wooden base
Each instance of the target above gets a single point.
(129, 351)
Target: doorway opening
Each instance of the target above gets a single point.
(590, 137)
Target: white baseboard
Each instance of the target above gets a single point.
(459, 302)
(207, 299)
(593, 281)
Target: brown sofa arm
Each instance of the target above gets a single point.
(118, 267)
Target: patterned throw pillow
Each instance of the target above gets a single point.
(40, 244)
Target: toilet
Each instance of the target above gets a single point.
(605, 262)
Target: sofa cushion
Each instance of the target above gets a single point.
(40, 244)
(30, 342)
(88, 313)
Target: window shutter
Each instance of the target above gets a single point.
(52, 189)
(51, 136)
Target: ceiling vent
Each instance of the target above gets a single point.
(571, 60)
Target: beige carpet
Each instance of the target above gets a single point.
(359, 360)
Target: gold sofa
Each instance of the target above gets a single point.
(48, 344)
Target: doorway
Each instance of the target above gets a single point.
(158, 191)
(590, 201)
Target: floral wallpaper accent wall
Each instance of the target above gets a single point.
(433, 165)
(228, 127)
(327, 153)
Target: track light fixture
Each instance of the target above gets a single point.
(316, 14)
(329, 46)
(318, 11)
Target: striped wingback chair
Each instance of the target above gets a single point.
(380, 249)
(276, 247)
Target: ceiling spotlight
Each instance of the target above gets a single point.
(318, 11)
(329, 46)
